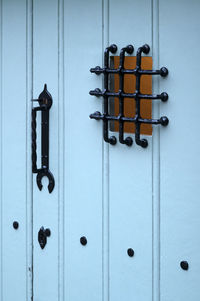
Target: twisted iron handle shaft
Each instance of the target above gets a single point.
(34, 141)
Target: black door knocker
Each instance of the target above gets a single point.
(137, 95)
(45, 101)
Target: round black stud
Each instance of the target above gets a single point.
(112, 140)
(164, 121)
(163, 71)
(145, 49)
(164, 96)
(15, 225)
(129, 49)
(184, 265)
(83, 240)
(129, 141)
(144, 143)
(97, 90)
(130, 252)
(48, 232)
(97, 113)
(113, 48)
(97, 70)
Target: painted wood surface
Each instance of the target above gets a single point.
(179, 152)
(15, 176)
(117, 197)
(83, 152)
(130, 178)
(45, 205)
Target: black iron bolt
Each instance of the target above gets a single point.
(113, 48)
(48, 232)
(129, 141)
(129, 49)
(146, 48)
(163, 71)
(15, 225)
(184, 265)
(144, 143)
(130, 252)
(164, 96)
(164, 121)
(83, 240)
(112, 140)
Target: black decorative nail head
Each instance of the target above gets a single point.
(184, 265)
(83, 240)
(130, 252)
(15, 225)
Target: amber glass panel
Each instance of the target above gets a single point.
(129, 87)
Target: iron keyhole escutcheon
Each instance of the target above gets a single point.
(42, 236)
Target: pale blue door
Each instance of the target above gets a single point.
(123, 220)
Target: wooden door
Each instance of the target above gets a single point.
(123, 219)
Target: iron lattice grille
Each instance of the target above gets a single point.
(106, 94)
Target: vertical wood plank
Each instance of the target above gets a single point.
(156, 158)
(130, 176)
(29, 178)
(15, 195)
(1, 245)
(45, 205)
(83, 151)
(180, 164)
(105, 207)
(61, 139)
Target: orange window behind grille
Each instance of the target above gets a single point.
(129, 87)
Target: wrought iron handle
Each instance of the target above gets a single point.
(45, 101)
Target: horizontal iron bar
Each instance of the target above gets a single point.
(98, 70)
(97, 92)
(98, 116)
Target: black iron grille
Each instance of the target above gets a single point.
(137, 96)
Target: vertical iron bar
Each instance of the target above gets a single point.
(34, 141)
(128, 141)
(121, 98)
(143, 142)
(112, 140)
(45, 138)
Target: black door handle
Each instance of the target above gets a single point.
(45, 101)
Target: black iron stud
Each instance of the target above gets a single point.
(130, 252)
(15, 225)
(42, 236)
(83, 240)
(106, 93)
(184, 265)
